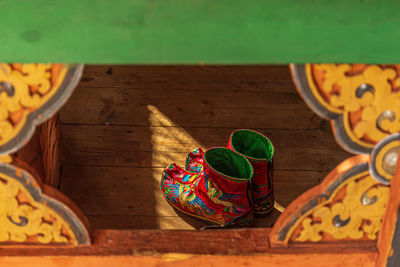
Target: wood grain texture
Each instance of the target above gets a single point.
(41, 155)
(295, 147)
(125, 123)
(191, 96)
(29, 157)
(49, 134)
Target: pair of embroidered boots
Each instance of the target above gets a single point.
(226, 186)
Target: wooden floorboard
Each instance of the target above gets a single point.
(141, 146)
(124, 124)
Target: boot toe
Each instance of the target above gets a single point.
(180, 175)
(194, 160)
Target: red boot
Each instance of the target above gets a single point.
(194, 160)
(259, 151)
(219, 193)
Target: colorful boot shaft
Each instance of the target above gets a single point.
(259, 151)
(220, 193)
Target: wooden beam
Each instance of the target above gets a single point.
(245, 241)
(179, 31)
(172, 247)
(287, 260)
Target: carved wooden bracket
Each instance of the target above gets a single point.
(31, 212)
(362, 102)
(29, 95)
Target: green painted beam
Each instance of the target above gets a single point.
(194, 31)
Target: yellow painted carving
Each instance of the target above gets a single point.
(316, 93)
(36, 221)
(372, 104)
(32, 87)
(5, 159)
(360, 212)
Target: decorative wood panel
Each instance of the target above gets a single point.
(32, 213)
(29, 216)
(30, 94)
(348, 205)
(363, 103)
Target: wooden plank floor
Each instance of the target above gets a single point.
(124, 124)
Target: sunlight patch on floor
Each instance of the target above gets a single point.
(170, 143)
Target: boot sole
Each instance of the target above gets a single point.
(202, 218)
(193, 215)
(264, 213)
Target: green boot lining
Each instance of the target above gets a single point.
(229, 163)
(252, 144)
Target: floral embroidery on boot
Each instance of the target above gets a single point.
(219, 193)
